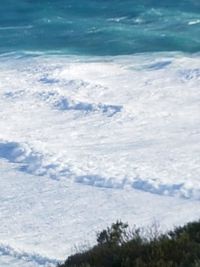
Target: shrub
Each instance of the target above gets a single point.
(117, 246)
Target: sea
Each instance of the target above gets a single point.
(128, 72)
(99, 121)
(99, 27)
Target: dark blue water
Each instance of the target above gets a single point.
(100, 27)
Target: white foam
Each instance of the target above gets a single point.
(194, 22)
(24, 258)
(44, 219)
(16, 27)
(126, 134)
(128, 118)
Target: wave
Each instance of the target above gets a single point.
(5, 28)
(129, 28)
(194, 22)
(6, 250)
(116, 122)
(37, 164)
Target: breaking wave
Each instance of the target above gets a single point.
(27, 257)
(110, 122)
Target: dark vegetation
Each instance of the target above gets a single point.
(118, 246)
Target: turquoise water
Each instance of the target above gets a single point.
(100, 27)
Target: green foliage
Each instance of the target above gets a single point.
(115, 235)
(117, 246)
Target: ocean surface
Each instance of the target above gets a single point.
(99, 27)
(99, 121)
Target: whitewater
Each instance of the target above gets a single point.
(85, 141)
(99, 121)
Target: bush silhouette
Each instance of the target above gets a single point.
(118, 246)
(113, 236)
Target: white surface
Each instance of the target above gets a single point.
(84, 142)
